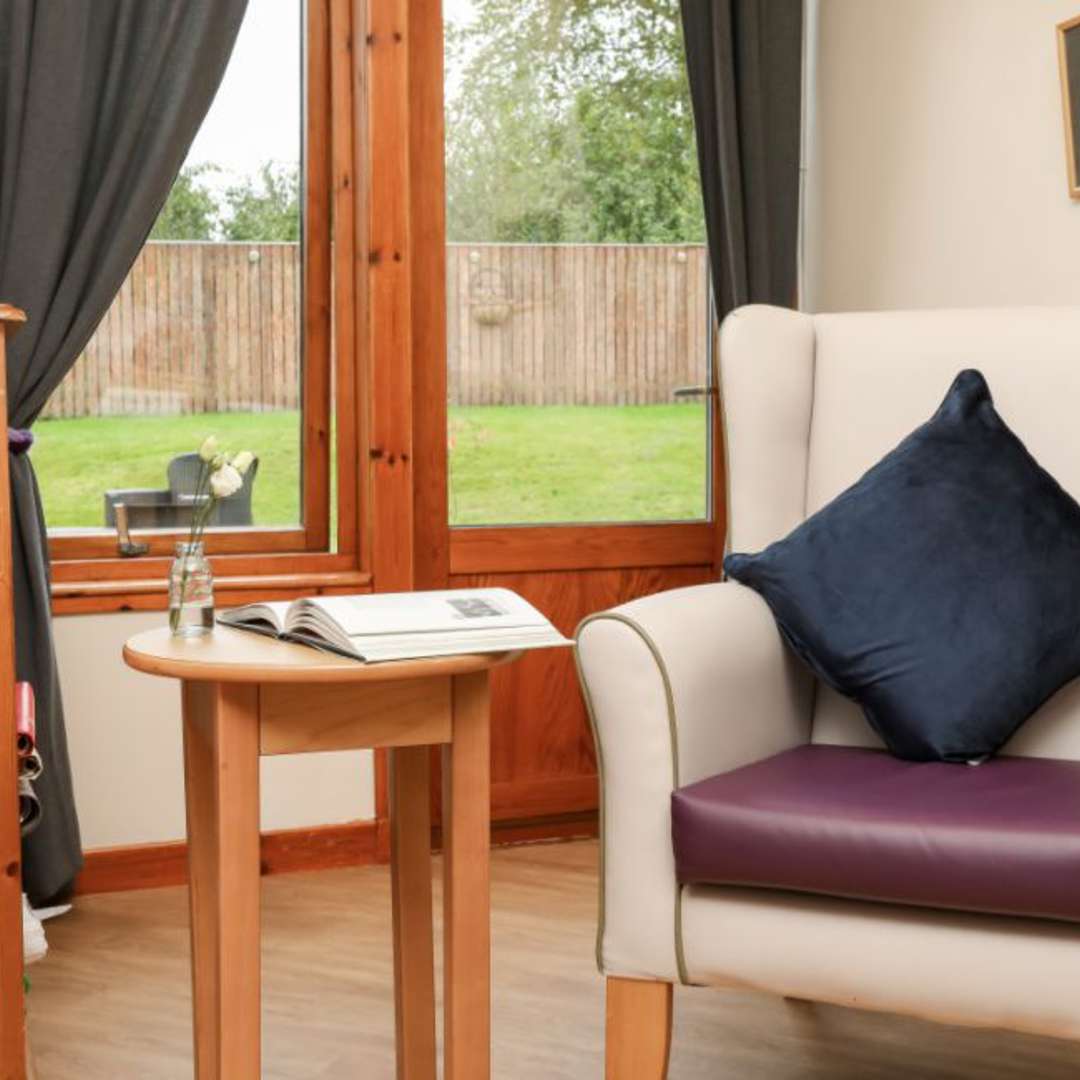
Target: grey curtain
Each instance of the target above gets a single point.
(99, 103)
(744, 59)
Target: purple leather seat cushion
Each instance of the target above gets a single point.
(1002, 837)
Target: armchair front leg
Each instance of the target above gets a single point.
(638, 1029)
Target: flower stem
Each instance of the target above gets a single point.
(200, 515)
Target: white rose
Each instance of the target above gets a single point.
(242, 462)
(225, 481)
(209, 448)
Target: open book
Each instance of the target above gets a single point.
(403, 626)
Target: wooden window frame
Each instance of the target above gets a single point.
(401, 321)
(503, 549)
(555, 546)
(87, 573)
(383, 68)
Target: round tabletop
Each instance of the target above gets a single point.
(228, 655)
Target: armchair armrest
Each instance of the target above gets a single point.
(680, 686)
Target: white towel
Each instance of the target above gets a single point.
(34, 944)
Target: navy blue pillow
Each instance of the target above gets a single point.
(941, 591)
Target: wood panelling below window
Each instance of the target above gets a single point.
(580, 547)
(543, 762)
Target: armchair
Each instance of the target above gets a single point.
(690, 684)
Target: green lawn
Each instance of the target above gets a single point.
(519, 463)
(77, 460)
(508, 463)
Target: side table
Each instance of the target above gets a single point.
(246, 696)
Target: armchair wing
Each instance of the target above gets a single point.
(680, 685)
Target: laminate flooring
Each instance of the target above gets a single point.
(112, 1000)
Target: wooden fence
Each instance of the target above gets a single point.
(195, 328)
(573, 324)
(204, 327)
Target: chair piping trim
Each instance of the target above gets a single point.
(721, 404)
(673, 731)
(810, 421)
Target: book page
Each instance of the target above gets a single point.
(445, 611)
(271, 614)
(378, 647)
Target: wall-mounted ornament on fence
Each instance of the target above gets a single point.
(490, 295)
(1068, 35)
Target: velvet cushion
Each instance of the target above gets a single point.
(942, 590)
(1003, 838)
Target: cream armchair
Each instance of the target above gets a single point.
(688, 684)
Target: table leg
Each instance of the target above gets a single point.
(414, 947)
(221, 776)
(467, 883)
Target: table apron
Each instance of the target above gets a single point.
(296, 718)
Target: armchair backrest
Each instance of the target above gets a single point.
(812, 401)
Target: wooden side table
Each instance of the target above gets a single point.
(245, 696)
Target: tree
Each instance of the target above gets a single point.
(191, 210)
(264, 208)
(571, 120)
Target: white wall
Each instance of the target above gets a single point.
(936, 172)
(124, 736)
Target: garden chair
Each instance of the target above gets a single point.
(183, 475)
(172, 507)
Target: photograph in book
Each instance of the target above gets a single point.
(403, 626)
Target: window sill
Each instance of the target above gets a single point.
(68, 545)
(151, 594)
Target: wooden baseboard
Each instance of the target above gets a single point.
(583, 825)
(324, 847)
(151, 866)
(578, 826)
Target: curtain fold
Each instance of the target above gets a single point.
(99, 103)
(744, 59)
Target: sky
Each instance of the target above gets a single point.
(255, 116)
(456, 10)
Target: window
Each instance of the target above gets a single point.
(222, 326)
(577, 280)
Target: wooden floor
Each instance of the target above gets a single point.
(112, 1001)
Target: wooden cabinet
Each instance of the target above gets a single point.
(12, 1022)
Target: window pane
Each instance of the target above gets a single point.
(577, 279)
(204, 337)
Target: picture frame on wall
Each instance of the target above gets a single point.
(1068, 39)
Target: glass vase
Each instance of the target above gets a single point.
(191, 592)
